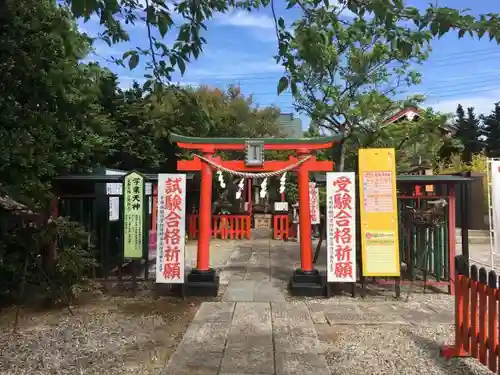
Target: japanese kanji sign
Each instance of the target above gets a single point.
(341, 226)
(378, 212)
(133, 216)
(314, 203)
(171, 228)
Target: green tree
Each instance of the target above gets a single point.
(336, 67)
(416, 142)
(492, 132)
(468, 133)
(49, 117)
(50, 123)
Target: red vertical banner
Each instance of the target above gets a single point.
(341, 226)
(170, 259)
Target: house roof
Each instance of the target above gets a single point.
(148, 177)
(399, 113)
(320, 177)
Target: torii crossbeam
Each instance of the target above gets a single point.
(204, 281)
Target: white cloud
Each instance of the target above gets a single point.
(335, 5)
(482, 103)
(186, 83)
(264, 35)
(91, 27)
(102, 50)
(239, 18)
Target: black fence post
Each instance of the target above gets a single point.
(465, 204)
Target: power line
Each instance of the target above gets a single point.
(260, 77)
(268, 75)
(473, 91)
(493, 73)
(450, 84)
(428, 91)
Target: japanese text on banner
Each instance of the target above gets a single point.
(314, 203)
(133, 216)
(378, 212)
(171, 228)
(341, 227)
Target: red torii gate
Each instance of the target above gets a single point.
(203, 280)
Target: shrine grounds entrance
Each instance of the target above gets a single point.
(203, 280)
(427, 230)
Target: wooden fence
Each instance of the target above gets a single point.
(476, 315)
(233, 227)
(281, 227)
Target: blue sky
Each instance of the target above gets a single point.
(241, 47)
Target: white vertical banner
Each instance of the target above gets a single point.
(314, 203)
(114, 208)
(171, 228)
(495, 205)
(341, 226)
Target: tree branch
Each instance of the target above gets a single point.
(151, 47)
(275, 19)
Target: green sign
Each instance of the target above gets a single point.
(133, 215)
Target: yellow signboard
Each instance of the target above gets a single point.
(379, 212)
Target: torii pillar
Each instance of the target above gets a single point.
(203, 280)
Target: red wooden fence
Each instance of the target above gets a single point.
(281, 227)
(476, 316)
(233, 227)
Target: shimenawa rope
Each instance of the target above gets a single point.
(253, 175)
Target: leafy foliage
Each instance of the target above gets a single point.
(59, 116)
(478, 164)
(416, 142)
(386, 20)
(45, 98)
(492, 132)
(160, 17)
(468, 133)
(336, 65)
(25, 249)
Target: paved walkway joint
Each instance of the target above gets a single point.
(253, 331)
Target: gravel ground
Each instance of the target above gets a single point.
(376, 341)
(406, 340)
(114, 335)
(107, 335)
(125, 335)
(387, 349)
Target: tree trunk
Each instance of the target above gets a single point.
(341, 157)
(341, 151)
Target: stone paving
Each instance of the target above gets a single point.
(258, 329)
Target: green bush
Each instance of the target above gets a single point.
(28, 266)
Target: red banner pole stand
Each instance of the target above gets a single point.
(204, 281)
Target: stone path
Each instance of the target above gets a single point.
(249, 338)
(254, 331)
(258, 329)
